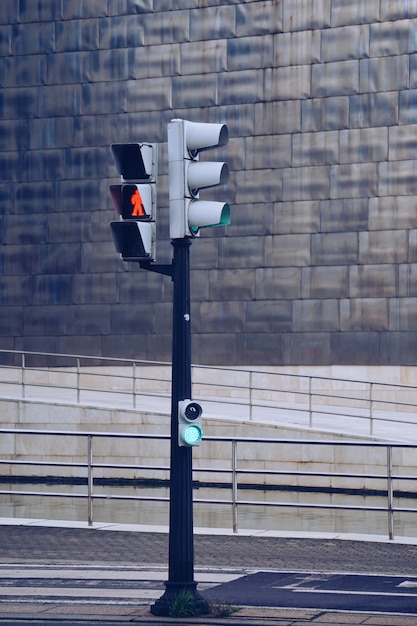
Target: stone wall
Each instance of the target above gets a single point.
(319, 265)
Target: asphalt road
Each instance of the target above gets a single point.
(81, 576)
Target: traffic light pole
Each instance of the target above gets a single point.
(181, 540)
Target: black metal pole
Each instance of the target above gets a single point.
(181, 539)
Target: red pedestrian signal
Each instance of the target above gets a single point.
(135, 200)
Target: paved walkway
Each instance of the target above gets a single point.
(35, 551)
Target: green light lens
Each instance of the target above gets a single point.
(192, 435)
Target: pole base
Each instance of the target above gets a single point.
(180, 600)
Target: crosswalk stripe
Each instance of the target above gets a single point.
(103, 584)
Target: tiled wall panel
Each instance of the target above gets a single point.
(320, 96)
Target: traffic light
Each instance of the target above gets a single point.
(135, 200)
(187, 175)
(190, 431)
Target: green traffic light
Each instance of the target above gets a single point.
(192, 435)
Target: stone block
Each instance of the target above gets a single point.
(408, 106)
(297, 48)
(413, 70)
(406, 316)
(384, 74)
(287, 83)
(397, 10)
(407, 280)
(360, 12)
(249, 52)
(157, 61)
(263, 348)
(397, 178)
(202, 57)
(325, 113)
(215, 22)
(73, 9)
(355, 347)
(21, 71)
(283, 282)
(258, 18)
(27, 41)
(352, 213)
(398, 348)
(373, 281)
(166, 27)
(383, 247)
(234, 284)
(392, 213)
(51, 133)
(268, 315)
(236, 87)
(318, 148)
(277, 117)
(240, 121)
(364, 145)
(374, 109)
(243, 252)
(340, 78)
(124, 318)
(88, 320)
(214, 348)
(250, 220)
(401, 142)
(15, 291)
(18, 103)
(77, 35)
(344, 43)
(10, 13)
(306, 183)
(287, 250)
(306, 14)
(36, 318)
(268, 152)
(223, 317)
(356, 180)
(315, 315)
(334, 248)
(392, 38)
(325, 282)
(148, 93)
(258, 186)
(412, 246)
(296, 217)
(308, 348)
(100, 98)
(366, 314)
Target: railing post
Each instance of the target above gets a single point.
(90, 478)
(310, 404)
(390, 494)
(371, 409)
(250, 395)
(78, 380)
(234, 486)
(23, 375)
(134, 384)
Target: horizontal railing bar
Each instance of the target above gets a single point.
(300, 505)
(60, 494)
(202, 367)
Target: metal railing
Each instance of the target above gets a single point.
(362, 407)
(238, 468)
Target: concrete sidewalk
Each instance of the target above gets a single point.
(41, 545)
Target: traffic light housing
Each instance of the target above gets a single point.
(134, 234)
(190, 431)
(187, 175)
